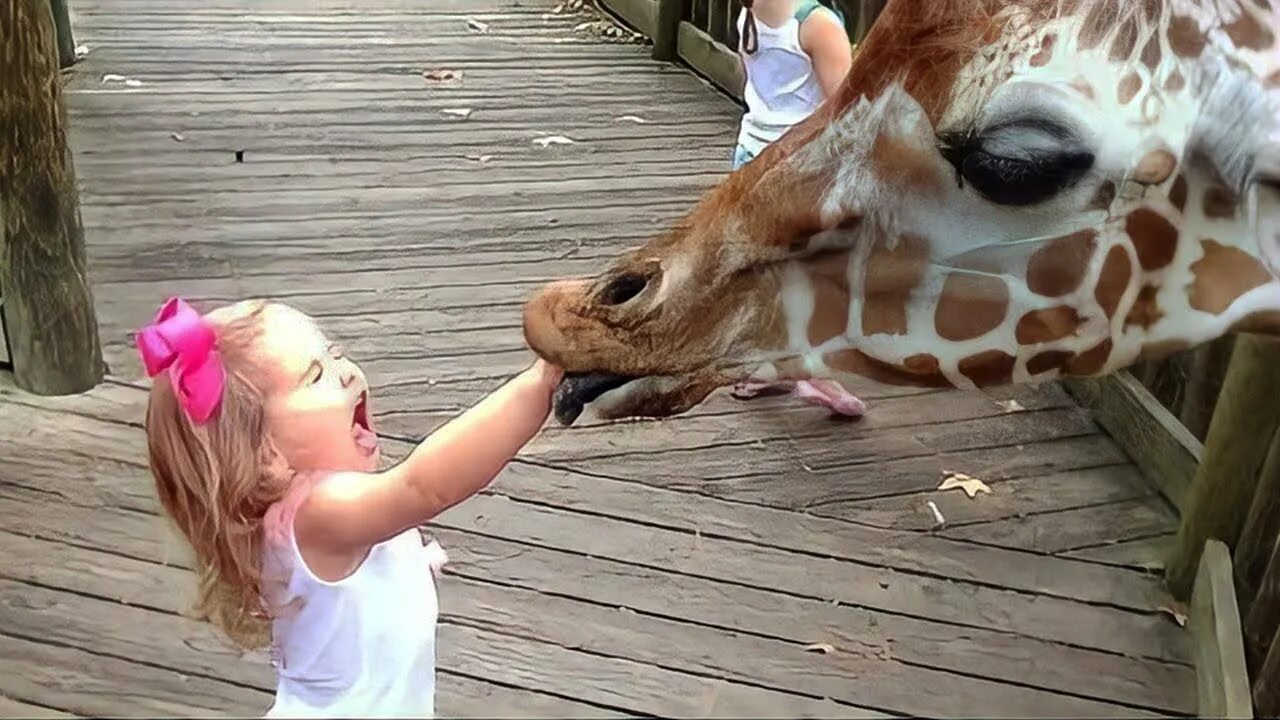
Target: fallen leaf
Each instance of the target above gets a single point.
(482, 159)
(970, 485)
(824, 648)
(1177, 611)
(133, 83)
(463, 113)
(442, 76)
(178, 136)
(82, 50)
(1011, 405)
(552, 140)
(475, 25)
(112, 77)
(632, 118)
(938, 520)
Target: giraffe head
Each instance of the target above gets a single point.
(1000, 192)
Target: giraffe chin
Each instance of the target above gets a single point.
(614, 397)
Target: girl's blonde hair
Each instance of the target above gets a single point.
(217, 479)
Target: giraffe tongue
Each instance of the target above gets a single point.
(578, 389)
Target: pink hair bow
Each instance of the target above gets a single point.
(181, 341)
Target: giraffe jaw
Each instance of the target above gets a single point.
(614, 397)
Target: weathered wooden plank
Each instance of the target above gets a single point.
(1160, 445)
(1146, 554)
(1065, 530)
(1221, 679)
(10, 708)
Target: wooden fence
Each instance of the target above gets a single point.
(1204, 425)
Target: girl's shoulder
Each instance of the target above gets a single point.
(806, 8)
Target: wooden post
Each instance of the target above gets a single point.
(1204, 382)
(66, 41)
(1261, 527)
(48, 306)
(1263, 617)
(1266, 685)
(1222, 683)
(666, 36)
(1235, 449)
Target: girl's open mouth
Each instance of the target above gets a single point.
(361, 429)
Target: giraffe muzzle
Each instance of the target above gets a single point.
(577, 390)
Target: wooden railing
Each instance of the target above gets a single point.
(703, 33)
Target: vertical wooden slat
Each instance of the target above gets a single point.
(701, 11)
(667, 34)
(1204, 378)
(1258, 536)
(1261, 622)
(1235, 450)
(1266, 683)
(717, 20)
(62, 25)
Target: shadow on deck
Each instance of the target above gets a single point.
(743, 560)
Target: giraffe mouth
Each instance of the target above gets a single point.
(577, 390)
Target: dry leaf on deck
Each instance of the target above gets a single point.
(1011, 405)
(552, 140)
(178, 136)
(482, 159)
(824, 648)
(970, 485)
(475, 25)
(463, 113)
(82, 50)
(112, 77)
(133, 83)
(632, 118)
(1177, 611)
(442, 76)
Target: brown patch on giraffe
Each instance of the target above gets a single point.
(1222, 275)
(1048, 360)
(1247, 32)
(989, 368)
(1272, 80)
(1126, 39)
(1178, 193)
(904, 165)
(970, 306)
(1095, 27)
(1082, 86)
(1103, 198)
(1145, 311)
(890, 278)
(1060, 266)
(1128, 88)
(1155, 167)
(1113, 280)
(829, 277)
(1175, 81)
(1151, 53)
(1186, 39)
(923, 372)
(790, 368)
(1220, 202)
(1091, 361)
(1047, 325)
(1154, 238)
(1045, 54)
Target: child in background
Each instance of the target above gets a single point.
(265, 457)
(795, 54)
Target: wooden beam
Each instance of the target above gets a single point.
(717, 62)
(48, 306)
(1221, 680)
(666, 34)
(1247, 416)
(1150, 435)
(66, 40)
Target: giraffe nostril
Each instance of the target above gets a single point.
(623, 288)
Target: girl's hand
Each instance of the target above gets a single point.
(544, 376)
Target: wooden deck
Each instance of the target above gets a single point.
(744, 560)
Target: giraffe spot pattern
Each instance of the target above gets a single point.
(970, 306)
(1175, 81)
(1046, 325)
(1128, 88)
(1273, 80)
(1145, 311)
(1154, 238)
(1220, 202)
(896, 162)
(1104, 197)
(1247, 32)
(1178, 193)
(1048, 360)
(988, 368)
(1060, 266)
(1091, 361)
(1113, 280)
(1096, 24)
(1186, 39)
(1155, 167)
(891, 276)
(859, 363)
(1151, 53)
(1222, 275)
(1124, 42)
(828, 275)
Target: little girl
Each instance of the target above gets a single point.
(264, 455)
(795, 54)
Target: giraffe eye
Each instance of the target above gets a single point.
(1019, 164)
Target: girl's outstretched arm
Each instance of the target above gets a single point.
(824, 39)
(350, 512)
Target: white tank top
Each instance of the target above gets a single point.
(782, 89)
(362, 646)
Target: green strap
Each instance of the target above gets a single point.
(806, 8)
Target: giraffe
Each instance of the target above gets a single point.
(1001, 192)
